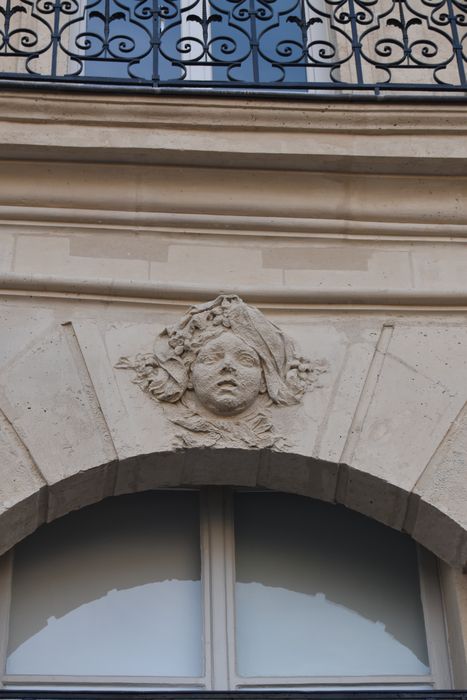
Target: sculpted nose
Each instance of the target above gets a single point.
(228, 365)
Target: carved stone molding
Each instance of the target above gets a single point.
(221, 372)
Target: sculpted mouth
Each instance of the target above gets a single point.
(227, 383)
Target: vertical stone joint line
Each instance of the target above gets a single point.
(10, 428)
(90, 391)
(367, 393)
(459, 421)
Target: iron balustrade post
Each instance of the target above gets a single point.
(356, 44)
(137, 45)
(456, 44)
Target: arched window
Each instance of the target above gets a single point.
(216, 589)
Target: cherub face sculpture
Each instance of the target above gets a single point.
(228, 353)
(226, 375)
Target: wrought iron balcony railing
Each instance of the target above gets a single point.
(234, 695)
(395, 694)
(309, 47)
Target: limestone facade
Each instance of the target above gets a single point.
(345, 224)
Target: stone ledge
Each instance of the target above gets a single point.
(347, 297)
(37, 218)
(411, 138)
(130, 195)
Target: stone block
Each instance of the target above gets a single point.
(7, 248)
(411, 402)
(153, 471)
(347, 385)
(439, 512)
(295, 473)
(221, 467)
(137, 422)
(372, 496)
(81, 489)
(56, 255)
(50, 400)
(23, 498)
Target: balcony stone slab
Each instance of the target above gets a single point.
(231, 132)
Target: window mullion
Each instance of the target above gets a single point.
(217, 658)
(229, 543)
(6, 572)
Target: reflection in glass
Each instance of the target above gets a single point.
(278, 55)
(113, 589)
(246, 41)
(322, 591)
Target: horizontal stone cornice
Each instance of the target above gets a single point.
(235, 132)
(118, 290)
(250, 113)
(130, 195)
(226, 225)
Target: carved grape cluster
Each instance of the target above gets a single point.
(303, 374)
(178, 342)
(218, 317)
(187, 337)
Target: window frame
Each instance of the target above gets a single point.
(217, 544)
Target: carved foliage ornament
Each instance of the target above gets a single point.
(220, 370)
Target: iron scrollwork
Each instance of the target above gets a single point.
(299, 45)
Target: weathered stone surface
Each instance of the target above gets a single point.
(153, 471)
(438, 517)
(23, 505)
(409, 401)
(347, 379)
(369, 494)
(49, 398)
(295, 473)
(122, 422)
(215, 131)
(221, 467)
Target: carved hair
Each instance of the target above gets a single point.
(165, 373)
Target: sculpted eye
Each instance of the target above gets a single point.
(248, 360)
(209, 359)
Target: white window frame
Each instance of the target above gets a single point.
(218, 586)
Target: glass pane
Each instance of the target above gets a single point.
(258, 42)
(113, 589)
(122, 40)
(323, 591)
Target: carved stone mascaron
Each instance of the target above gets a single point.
(220, 371)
